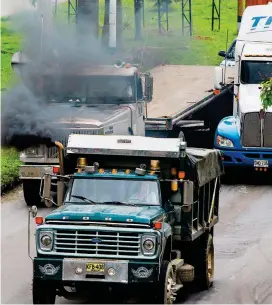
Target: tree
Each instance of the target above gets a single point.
(266, 94)
(105, 31)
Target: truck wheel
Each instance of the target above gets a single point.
(43, 292)
(31, 189)
(204, 262)
(166, 294)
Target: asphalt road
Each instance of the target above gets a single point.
(243, 246)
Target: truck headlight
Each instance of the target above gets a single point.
(224, 142)
(33, 152)
(46, 240)
(148, 244)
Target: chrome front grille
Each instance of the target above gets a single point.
(268, 130)
(251, 130)
(254, 133)
(52, 152)
(97, 243)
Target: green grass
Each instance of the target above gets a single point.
(9, 165)
(170, 47)
(10, 43)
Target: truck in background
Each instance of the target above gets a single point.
(104, 100)
(245, 137)
(155, 233)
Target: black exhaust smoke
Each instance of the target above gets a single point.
(27, 115)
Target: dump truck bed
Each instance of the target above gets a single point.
(177, 87)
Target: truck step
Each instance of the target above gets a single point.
(177, 263)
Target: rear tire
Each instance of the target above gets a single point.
(204, 262)
(43, 292)
(31, 189)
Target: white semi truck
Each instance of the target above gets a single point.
(101, 100)
(245, 137)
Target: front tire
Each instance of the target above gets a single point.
(31, 190)
(43, 292)
(166, 284)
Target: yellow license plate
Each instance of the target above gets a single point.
(94, 267)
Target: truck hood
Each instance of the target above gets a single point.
(117, 213)
(83, 115)
(249, 98)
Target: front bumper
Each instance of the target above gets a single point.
(126, 272)
(245, 158)
(35, 171)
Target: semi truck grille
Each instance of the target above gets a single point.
(268, 130)
(53, 152)
(97, 243)
(251, 132)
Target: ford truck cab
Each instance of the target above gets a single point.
(245, 138)
(135, 213)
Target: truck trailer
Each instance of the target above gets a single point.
(245, 137)
(133, 213)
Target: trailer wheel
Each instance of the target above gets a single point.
(166, 294)
(31, 189)
(43, 292)
(204, 262)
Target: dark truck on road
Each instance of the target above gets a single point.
(132, 212)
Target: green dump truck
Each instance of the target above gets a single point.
(132, 212)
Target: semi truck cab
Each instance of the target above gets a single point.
(83, 99)
(245, 138)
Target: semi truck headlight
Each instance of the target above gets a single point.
(46, 240)
(33, 151)
(148, 244)
(224, 142)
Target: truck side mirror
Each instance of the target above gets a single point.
(218, 77)
(45, 190)
(222, 53)
(188, 195)
(148, 87)
(34, 211)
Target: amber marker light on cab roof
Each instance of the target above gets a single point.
(181, 175)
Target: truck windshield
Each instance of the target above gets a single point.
(126, 191)
(255, 72)
(92, 89)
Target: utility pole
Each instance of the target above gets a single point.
(240, 13)
(112, 23)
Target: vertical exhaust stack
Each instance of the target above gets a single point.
(60, 183)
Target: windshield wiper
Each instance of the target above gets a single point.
(83, 198)
(117, 203)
